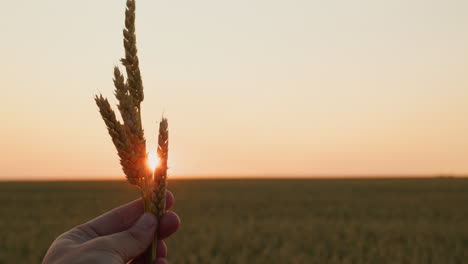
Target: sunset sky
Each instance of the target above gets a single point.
(250, 87)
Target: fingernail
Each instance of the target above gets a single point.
(147, 221)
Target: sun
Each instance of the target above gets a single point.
(152, 160)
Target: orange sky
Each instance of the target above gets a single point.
(251, 88)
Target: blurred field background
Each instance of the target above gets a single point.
(261, 221)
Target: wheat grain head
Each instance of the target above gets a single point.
(119, 138)
(160, 173)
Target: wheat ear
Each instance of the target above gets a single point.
(160, 176)
(119, 138)
(131, 61)
(160, 173)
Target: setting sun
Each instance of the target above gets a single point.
(153, 160)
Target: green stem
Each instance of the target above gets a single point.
(149, 255)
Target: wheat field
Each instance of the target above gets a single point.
(261, 221)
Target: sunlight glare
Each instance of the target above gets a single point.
(153, 160)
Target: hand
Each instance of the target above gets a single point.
(118, 236)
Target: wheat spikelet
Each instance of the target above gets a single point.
(131, 61)
(119, 138)
(130, 115)
(160, 176)
(130, 94)
(160, 173)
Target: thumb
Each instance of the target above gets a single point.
(133, 242)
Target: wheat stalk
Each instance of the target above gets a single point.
(128, 137)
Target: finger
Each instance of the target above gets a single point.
(122, 218)
(169, 200)
(161, 253)
(161, 249)
(129, 243)
(118, 219)
(168, 224)
(161, 261)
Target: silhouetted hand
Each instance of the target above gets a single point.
(118, 236)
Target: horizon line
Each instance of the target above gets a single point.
(241, 177)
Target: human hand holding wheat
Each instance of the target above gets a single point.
(116, 237)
